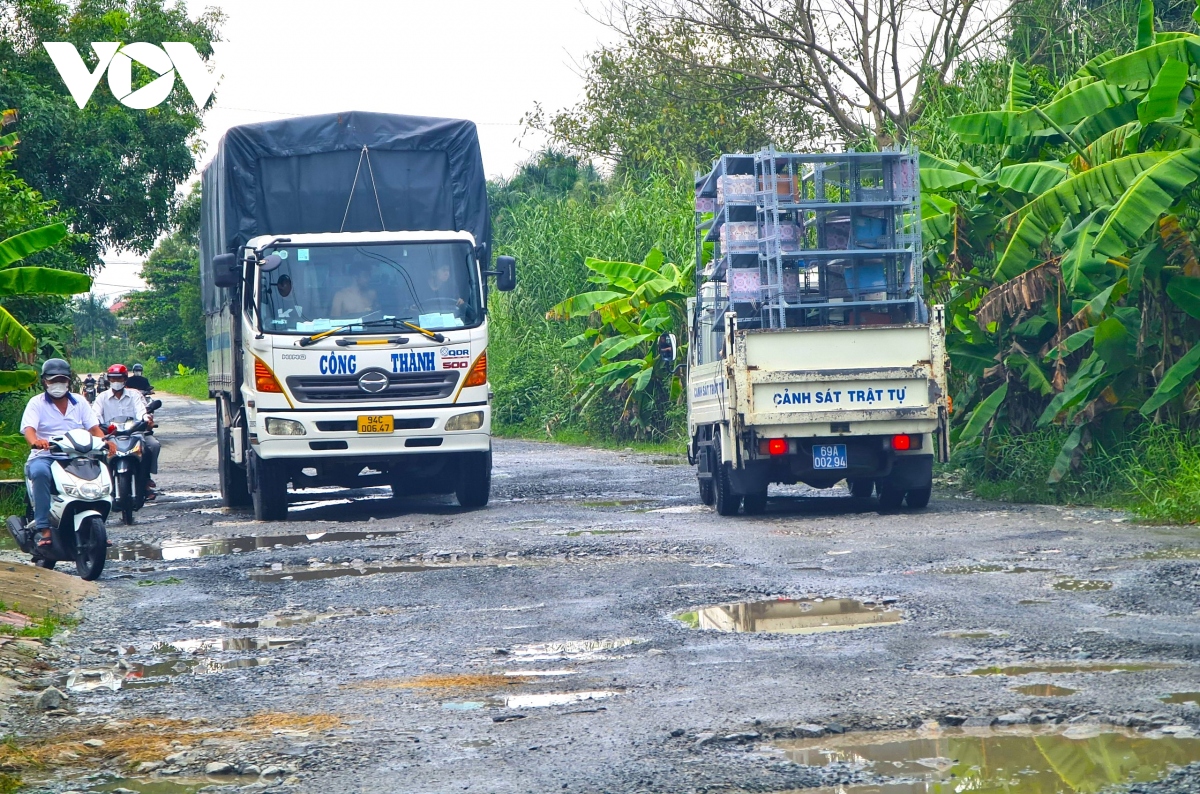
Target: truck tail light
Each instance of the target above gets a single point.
(264, 378)
(773, 446)
(903, 442)
(478, 374)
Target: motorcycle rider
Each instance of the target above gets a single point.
(52, 413)
(89, 388)
(138, 380)
(120, 401)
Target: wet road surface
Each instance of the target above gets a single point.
(596, 629)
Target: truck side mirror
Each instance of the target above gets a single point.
(506, 273)
(225, 274)
(668, 347)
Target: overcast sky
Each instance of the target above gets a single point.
(484, 60)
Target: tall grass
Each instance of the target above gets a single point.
(551, 236)
(1154, 471)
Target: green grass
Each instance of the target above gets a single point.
(1153, 472)
(194, 385)
(581, 438)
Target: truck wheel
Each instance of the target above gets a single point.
(755, 504)
(234, 489)
(726, 501)
(890, 496)
(707, 494)
(861, 489)
(474, 479)
(270, 495)
(918, 498)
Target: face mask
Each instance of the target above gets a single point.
(56, 390)
(118, 385)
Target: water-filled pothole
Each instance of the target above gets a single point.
(1072, 667)
(1082, 584)
(1080, 759)
(153, 785)
(208, 547)
(994, 568)
(1045, 690)
(983, 634)
(325, 571)
(791, 616)
(282, 620)
(1182, 697)
(536, 701)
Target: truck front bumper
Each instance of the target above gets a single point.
(333, 434)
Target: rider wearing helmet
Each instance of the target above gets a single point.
(51, 413)
(138, 380)
(121, 402)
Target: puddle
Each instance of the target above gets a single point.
(787, 616)
(163, 673)
(983, 760)
(993, 568)
(575, 650)
(1082, 584)
(1182, 697)
(1072, 667)
(209, 547)
(616, 503)
(212, 645)
(88, 680)
(154, 786)
(584, 532)
(985, 634)
(1045, 690)
(539, 701)
(281, 621)
(324, 571)
(1031, 601)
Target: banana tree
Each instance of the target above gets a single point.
(634, 305)
(1070, 267)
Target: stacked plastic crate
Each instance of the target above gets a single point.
(815, 239)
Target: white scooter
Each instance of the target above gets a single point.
(80, 501)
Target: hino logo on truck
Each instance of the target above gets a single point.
(414, 362)
(373, 381)
(179, 56)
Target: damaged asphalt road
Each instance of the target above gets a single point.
(556, 640)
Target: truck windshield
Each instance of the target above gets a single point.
(319, 287)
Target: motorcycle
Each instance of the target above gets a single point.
(78, 510)
(89, 390)
(125, 466)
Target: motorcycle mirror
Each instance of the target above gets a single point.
(154, 406)
(112, 428)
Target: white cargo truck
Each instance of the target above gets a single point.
(812, 357)
(344, 268)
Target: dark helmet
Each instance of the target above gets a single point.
(54, 367)
(137, 367)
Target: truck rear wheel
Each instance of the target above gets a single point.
(755, 504)
(726, 501)
(918, 498)
(861, 489)
(707, 494)
(474, 479)
(270, 495)
(234, 488)
(890, 496)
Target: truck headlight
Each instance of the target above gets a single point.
(284, 427)
(471, 421)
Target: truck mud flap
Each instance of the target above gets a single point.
(910, 471)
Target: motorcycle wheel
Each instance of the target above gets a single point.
(42, 562)
(91, 548)
(16, 528)
(125, 496)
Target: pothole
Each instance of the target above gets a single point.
(153, 785)
(1045, 690)
(282, 620)
(1182, 697)
(327, 571)
(983, 634)
(1081, 584)
(1072, 667)
(790, 616)
(1171, 554)
(539, 701)
(208, 547)
(570, 650)
(994, 568)
(1079, 759)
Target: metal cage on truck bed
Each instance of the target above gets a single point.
(801, 240)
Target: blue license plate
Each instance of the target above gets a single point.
(829, 456)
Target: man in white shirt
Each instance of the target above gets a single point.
(51, 413)
(122, 403)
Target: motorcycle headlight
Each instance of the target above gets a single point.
(96, 489)
(471, 421)
(70, 490)
(284, 427)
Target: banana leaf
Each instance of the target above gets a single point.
(937, 216)
(1073, 85)
(22, 245)
(1031, 178)
(1184, 292)
(1162, 100)
(1080, 243)
(582, 305)
(15, 335)
(42, 281)
(1174, 381)
(995, 126)
(1140, 67)
(1097, 125)
(1076, 390)
(595, 356)
(627, 343)
(1145, 29)
(1072, 343)
(1032, 372)
(1066, 457)
(983, 414)
(1020, 92)
(1087, 101)
(636, 274)
(1112, 343)
(1148, 195)
(17, 379)
(1094, 67)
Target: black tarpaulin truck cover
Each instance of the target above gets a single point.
(298, 175)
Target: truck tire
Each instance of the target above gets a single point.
(754, 504)
(270, 494)
(726, 501)
(235, 491)
(474, 479)
(707, 494)
(918, 498)
(890, 497)
(861, 489)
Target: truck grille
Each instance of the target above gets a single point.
(344, 388)
(399, 423)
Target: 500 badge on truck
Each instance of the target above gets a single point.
(456, 357)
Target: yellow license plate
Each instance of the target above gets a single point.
(376, 424)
